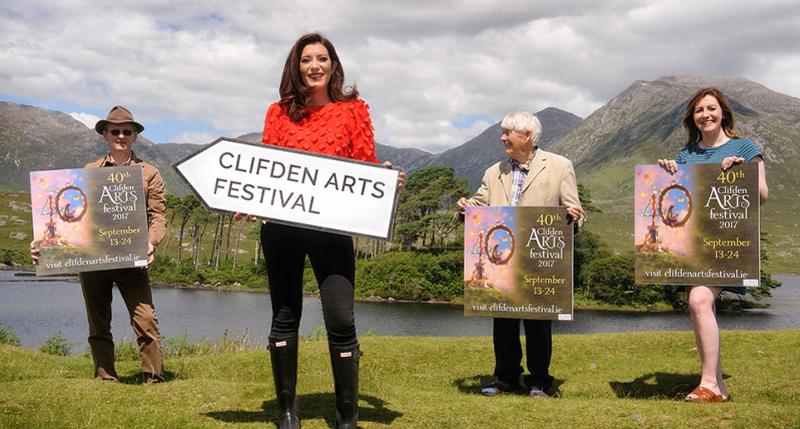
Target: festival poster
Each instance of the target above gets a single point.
(518, 262)
(89, 219)
(699, 226)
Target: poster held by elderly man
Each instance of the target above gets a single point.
(518, 263)
(89, 219)
(698, 226)
(294, 187)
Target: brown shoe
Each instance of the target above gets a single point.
(106, 378)
(537, 393)
(152, 379)
(703, 395)
(497, 387)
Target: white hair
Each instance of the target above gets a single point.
(524, 122)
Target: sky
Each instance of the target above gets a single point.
(434, 73)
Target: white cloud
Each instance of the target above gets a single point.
(422, 66)
(85, 118)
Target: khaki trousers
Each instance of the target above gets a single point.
(134, 286)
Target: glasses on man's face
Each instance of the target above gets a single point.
(126, 133)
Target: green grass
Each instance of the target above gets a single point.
(604, 380)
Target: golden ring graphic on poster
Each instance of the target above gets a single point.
(492, 252)
(669, 218)
(68, 213)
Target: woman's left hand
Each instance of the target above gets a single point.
(731, 161)
(401, 177)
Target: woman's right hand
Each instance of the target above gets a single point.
(669, 164)
(247, 217)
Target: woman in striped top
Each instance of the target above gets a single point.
(712, 139)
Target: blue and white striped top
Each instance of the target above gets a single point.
(741, 147)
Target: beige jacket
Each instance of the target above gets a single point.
(550, 182)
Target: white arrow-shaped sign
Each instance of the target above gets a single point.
(293, 187)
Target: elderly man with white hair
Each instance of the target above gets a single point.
(529, 177)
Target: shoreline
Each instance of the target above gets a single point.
(390, 300)
(28, 274)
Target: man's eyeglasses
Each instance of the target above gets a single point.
(124, 132)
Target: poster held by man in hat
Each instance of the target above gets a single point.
(120, 130)
(88, 219)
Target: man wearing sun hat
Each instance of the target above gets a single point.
(120, 131)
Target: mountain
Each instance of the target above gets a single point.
(251, 137)
(407, 158)
(640, 125)
(37, 139)
(27, 130)
(469, 160)
(472, 158)
(644, 123)
(177, 151)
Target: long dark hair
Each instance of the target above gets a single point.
(695, 136)
(294, 91)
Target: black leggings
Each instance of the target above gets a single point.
(332, 258)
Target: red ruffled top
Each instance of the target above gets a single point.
(340, 129)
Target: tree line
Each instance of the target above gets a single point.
(423, 261)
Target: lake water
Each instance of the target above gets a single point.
(36, 310)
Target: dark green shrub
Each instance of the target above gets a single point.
(125, 350)
(610, 279)
(317, 334)
(57, 345)
(588, 247)
(8, 337)
(767, 283)
(175, 346)
(411, 275)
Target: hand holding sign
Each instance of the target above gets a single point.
(249, 218)
(401, 177)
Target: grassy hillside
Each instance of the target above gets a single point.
(643, 123)
(607, 380)
(15, 226)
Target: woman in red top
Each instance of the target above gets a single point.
(315, 114)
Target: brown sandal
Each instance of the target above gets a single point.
(702, 394)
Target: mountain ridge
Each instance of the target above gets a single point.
(643, 123)
(639, 125)
(32, 139)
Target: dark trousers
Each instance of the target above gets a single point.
(333, 261)
(134, 286)
(508, 351)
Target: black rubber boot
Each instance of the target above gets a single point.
(345, 380)
(283, 354)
